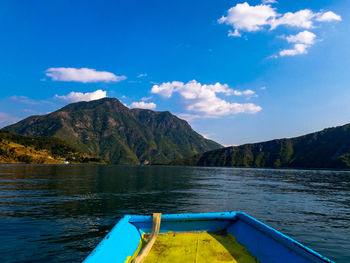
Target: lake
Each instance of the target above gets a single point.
(60, 213)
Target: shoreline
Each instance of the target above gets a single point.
(185, 166)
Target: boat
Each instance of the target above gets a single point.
(201, 237)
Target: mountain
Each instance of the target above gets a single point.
(16, 148)
(329, 148)
(108, 129)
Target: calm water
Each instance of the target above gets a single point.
(60, 213)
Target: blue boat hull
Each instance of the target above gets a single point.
(262, 241)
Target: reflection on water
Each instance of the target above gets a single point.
(60, 213)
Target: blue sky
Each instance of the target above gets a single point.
(238, 71)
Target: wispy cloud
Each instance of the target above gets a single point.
(79, 96)
(28, 101)
(30, 111)
(266, 2)
(84, 75)
(142, 75)
(7, 119)
(143, 105)
(203, 100)
(146, 98)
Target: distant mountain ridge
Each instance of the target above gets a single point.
(108, 129)
(329, 148)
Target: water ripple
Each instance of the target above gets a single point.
(60, 213)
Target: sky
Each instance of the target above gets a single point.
(237, 71)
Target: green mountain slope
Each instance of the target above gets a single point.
(16, 148)
(329, 148)
(108, 129)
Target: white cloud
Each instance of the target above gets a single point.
(302, 19)
(191, 89)
(305, 37)
(265, 2)
(84, 75)
(79, 96)
(248, 18)
(327, 17)
(247, 92)
(202, 99)
(297, 50)
(166, 89)
(234, 33)
(303, 41)
(244, 17)
(188, 117)
(143, 105)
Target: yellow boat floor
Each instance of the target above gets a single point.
(196, 247)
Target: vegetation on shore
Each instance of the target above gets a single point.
(329, 148)
(108, 129)
(15, 148)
